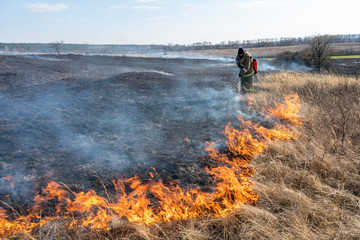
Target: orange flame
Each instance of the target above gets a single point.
(153, 202)
(289, 111)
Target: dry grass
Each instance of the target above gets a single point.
(312, 185)
(309, 188)
(342, 49)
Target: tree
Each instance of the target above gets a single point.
(318, 53)
(57, 45)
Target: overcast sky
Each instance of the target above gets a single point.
(173, 21)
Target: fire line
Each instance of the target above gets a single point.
(153, 201)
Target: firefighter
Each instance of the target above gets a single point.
(244, 61)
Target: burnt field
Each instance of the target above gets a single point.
(349, 67)
(85, 120)
(71, 124)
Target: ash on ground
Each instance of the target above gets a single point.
(85, 120)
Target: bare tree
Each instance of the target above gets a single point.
(85, 48)
(57, 45)
(318, 53)
(105, 50)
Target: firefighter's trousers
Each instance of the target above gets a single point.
(247, 84)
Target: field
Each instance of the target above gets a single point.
(346, 56)
(263, 52)
(83, 121)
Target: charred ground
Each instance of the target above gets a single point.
(85, 120)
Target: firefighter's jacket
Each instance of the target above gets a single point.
(247, 61)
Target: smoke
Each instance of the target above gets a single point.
(181, 55)
(264, 65)
(113, 116)
(157, 115)
(274, 65)
(46, 58)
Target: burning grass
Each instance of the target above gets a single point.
(306, 188)
(154, 202)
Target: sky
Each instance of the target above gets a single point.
(172, 21)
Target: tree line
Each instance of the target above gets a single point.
(274, 42)
(60, 46)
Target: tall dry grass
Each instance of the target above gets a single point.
(309, 188)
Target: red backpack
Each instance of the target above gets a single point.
(255, 65)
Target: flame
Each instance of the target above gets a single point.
(153, 201)
(288, 111)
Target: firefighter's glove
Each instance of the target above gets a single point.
(243, 70)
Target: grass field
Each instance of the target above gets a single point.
(345, 57)
(268, 59)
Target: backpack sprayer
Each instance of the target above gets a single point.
(255, 65)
